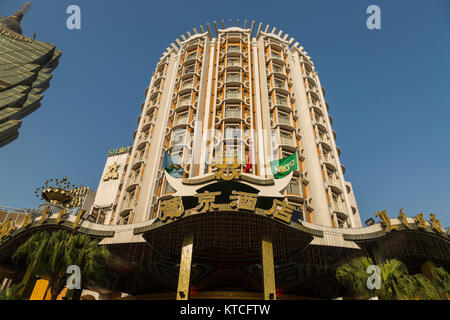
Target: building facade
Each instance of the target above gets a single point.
(25, 72)
(245, 93)
(108, 191)
(221, 107)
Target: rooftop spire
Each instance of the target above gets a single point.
(18, 15)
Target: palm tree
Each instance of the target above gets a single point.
(352, 277)
(395, 282)
(50, 254)
(11, 293)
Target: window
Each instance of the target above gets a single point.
(336, 202)
(177, 155)
(322, 135)
(274, 54)
(150, 116)
(191, 56)
(188, 84)
(178, 137)
(281, 100)
(189, 69)
(277, 68)
(283, 118)
(130, 199)
(185, 99)
(286, 138)
(232, 153)
(139, 156)
(317, 117)
(233, 62)
(124, 220)
(233, 77)
(234, 48)
(285, 154)
(181, 118)
(232, 132)
(232, 111)
(101, 217)
(167, 188)
(278, 83)
(274, 145)
(144, 135)
(293, 187)
(330, 177)
(233, 94)
(326, 154)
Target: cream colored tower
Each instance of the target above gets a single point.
(240, 92)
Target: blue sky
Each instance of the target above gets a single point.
(388, 90)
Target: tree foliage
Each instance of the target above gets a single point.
(395, 281)
(51, 253)
(12, 293)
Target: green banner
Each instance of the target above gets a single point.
(281, 168)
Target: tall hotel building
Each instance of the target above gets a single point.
(245, 93)
(212, 220)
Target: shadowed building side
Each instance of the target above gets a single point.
(25, 72)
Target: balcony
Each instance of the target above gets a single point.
(234, 36)
(287, 142)
(132, 183)
(338, 151)
(184, 101)
(186, 86)
(275, 69)
(308, 74)
(334, 184)
(181, 120)
(147, 124)
(279, 86)
(293, 190)
(283, 120)
(190, 57)
(323, 139)
(306, 62)
(178, 138)
(138, 161)
(233, 63)
(189, 71)
(275, 56)
(234, 50)
(233, 94)
(233, 78)
(233, 113)
(274, 44)
(194, 44)
(341, 215)
(281, 101)
(320, 122)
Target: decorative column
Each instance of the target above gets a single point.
(377, 254)
(185, 267)
(268, 269)
(28, 281)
